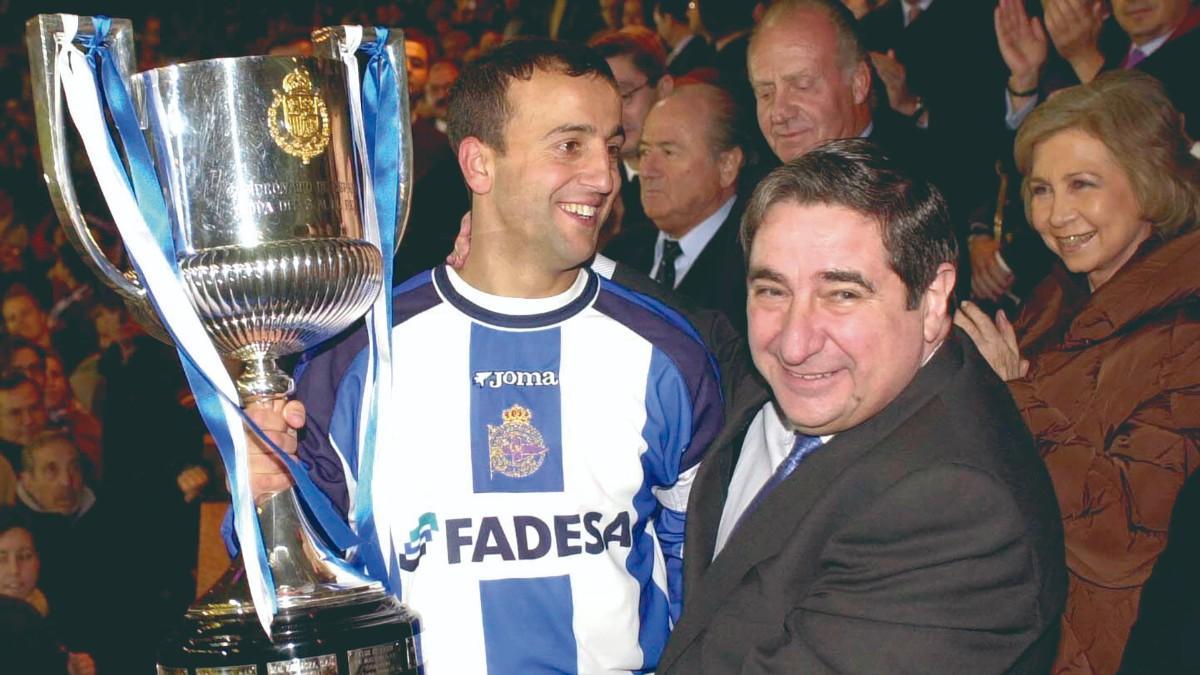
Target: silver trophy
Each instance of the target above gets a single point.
(257, 165)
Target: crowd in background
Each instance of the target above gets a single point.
(103, 511)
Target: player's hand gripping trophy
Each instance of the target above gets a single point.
(259, 223)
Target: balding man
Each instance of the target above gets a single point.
(812, 81)
(691, 156)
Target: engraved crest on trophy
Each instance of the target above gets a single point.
(298, 118)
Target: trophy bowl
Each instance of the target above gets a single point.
(257, 166)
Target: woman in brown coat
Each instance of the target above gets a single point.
(1104, 360)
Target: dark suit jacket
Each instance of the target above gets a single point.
(925, 540)
(696, 54)
(717, 280)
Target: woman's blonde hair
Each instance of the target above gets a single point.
(1129, 112)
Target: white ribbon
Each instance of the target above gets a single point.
(76, 80)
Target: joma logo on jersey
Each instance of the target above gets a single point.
(530, 537)
(515, 378)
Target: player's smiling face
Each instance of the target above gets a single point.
(557, 178)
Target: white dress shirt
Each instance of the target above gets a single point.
(768, 442)
(692, 243)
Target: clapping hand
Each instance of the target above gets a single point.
(1023, 43)
(895, 80)
(996, 341)
(1074, 27)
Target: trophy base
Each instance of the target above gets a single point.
(368, 635)
(325, 625)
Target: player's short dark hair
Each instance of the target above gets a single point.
(913, 219)
(479, 104)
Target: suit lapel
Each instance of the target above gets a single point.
(763, 535)
(709, 268)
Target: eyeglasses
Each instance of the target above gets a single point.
(627, 97)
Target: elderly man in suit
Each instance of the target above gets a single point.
(812, 80)
(878, 506)
(690, 158)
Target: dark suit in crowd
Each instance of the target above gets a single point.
(716, 280)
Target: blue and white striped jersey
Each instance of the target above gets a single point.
(530, 501)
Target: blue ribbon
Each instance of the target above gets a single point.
(381, 117)
(148, 192)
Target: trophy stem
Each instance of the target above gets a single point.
(262, 380)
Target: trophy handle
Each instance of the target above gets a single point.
(40, 33)
(327, 42)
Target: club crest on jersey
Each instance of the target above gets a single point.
(515, 378)
(516, 448)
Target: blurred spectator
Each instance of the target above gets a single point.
(22, 414)
(418, 52)
(24, 357)
(455, 45)
(442, 76)
(1102, 360)
(24, 316)
(633, 13)
(28, 641)
(69, 528)
(688, 50)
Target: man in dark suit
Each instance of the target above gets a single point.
(688, 50)
(691, 156)
(874, 504)
(813, 83)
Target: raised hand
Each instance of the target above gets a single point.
(1023, 43)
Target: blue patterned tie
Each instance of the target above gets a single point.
(803, 446)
